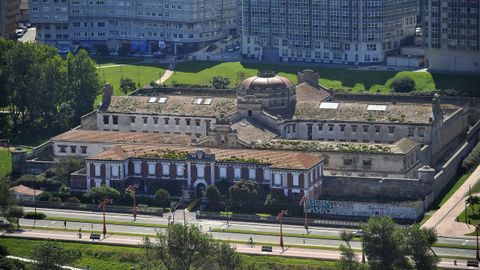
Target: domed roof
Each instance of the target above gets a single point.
(266, 80)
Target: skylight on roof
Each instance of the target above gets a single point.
(376, 107)
(203, 101)
(162, 100)
(152, 99)
(329, 105)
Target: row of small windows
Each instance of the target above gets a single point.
(72, 148)
(166, 121)
(354, 128)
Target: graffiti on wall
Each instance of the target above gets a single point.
(364, 209)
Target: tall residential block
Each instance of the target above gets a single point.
(9, 16)
(142, 24)
(329, 31)
(451, 34)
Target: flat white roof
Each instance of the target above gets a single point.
(152, 99)
(376, 107)
(329, 105)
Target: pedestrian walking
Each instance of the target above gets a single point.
(65, 224)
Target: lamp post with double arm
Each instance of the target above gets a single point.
(281, 216)
(103, 206)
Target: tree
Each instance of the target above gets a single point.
(419, 243)
(223, 186)
(214, 198)
(186, 247)
(276, 201)
(52, 255)
(219, 82)
(83, 83)
(7, 202)
(101, 193)
(472, 160)
(472, 201)
(348, 259)
(244, 195)
(382, 242)
(127, 85)
(162, 197)
(241, 76)
(16, 213)
(403, 84)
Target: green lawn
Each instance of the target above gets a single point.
(200, 73)
(5, 162)
(449, 190)
(106, 257)
(473, 216)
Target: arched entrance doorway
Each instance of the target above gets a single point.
(200, 190)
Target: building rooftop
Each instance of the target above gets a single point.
(306, 92)
(92, 136)
(277, 159)
(249, 130)
(370, 112)
(24, 190)
(173, 105)
(402, 146)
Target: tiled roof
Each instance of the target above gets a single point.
(357, 111)
(174, 105)
(249, 130)
(78, 135)
(277, 159)
(24, 190)
(306, 92)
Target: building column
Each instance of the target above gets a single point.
(212, 173)
(189, 176)
(88, 183)
(107, 182)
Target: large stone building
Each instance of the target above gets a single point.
(300, 139)
(451, 33)
(145, 25)
(343, 31)
(9, 17)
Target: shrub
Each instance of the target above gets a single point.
(73, 200)
(403, 85)
(44, 196)
(472, 160)
(55, 200)
(162, 197)
(33, 215)
(167, 210)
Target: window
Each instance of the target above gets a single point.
(200, 172)
(151, 169)
(145, 120)
(73, 149)
(155, 120)
(180, 170)
(367, 163)
(391, 130)
(84, 149)
(197, 122)
(187, 122)
(132, 119)
(137, 168)
(223, 172)
(97, 169)
(377, 129)
(177, 121)
(63, 148)
(236, 173)
(330, 127)
(106, 119)
(347, 161)
(115, 171)
(365, 128)
(411, 131)
(342, 128)
(266, 174)
(251, 174)
(354, 128)
(277, 181)
(421, 132)
(295, 180)
(115, 119)
(166, 169)
(320, 127)
(166, 121)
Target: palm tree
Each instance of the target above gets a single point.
(472, 201)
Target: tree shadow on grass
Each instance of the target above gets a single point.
(468, 85)
(195, 66)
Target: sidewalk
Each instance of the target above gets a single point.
(443, 220)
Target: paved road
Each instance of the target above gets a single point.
(135, 240)
(207, 224)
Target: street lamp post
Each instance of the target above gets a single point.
(133, 190)
(381, 193)
(281, 216)
(304, 202)
(103, 206)
(174, 209)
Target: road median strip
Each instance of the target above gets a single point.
(110, 222)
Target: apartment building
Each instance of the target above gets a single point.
(451, 34)
(145, 25)
(9, 16)
(341, 31)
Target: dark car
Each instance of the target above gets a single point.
(211, 48)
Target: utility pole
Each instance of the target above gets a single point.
(133, 190)
(281, 216)
(304, 202)
(103, 206)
